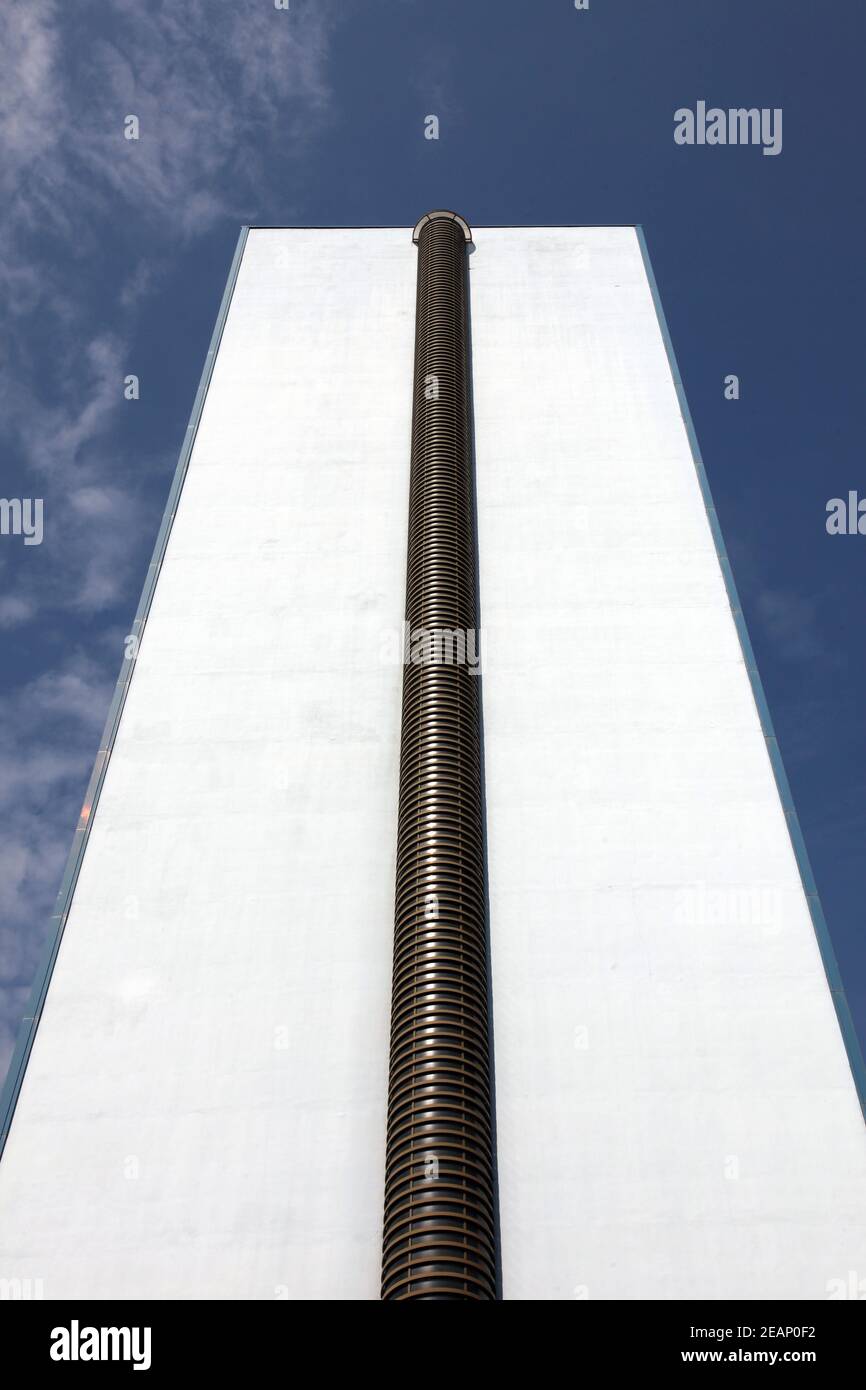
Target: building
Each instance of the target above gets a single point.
(201, 1111)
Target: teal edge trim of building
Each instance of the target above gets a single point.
(30, 1021)
(825, 945)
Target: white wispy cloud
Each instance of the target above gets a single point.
(49, 728)
(215, 85)
(212, 82)
(791, 622)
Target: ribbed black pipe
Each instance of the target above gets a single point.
(439, 1204)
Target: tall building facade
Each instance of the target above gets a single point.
(604, 1053)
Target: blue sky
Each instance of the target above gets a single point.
(114, 254)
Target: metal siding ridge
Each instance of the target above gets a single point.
(30, 1021)
(798, 843)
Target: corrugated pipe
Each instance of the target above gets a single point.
(439, 1198)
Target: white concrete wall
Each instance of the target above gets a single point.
(239, 878)
(676, 1115)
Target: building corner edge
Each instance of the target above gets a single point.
(798, 844)
(14, 1080)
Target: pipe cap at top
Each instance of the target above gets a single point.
(442, 214)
